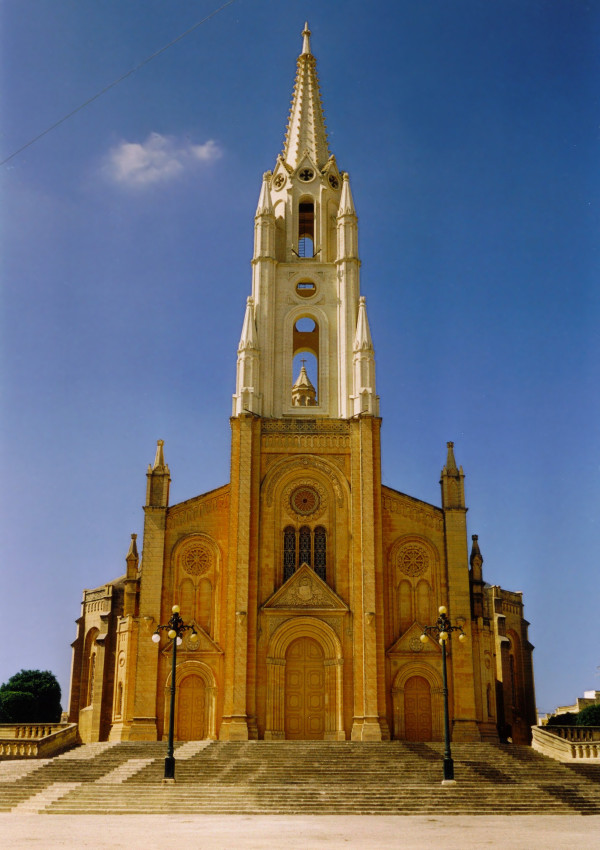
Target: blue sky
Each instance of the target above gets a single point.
(470, 132)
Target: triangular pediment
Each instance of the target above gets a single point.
(204, 643)
(305, 590)
(411, 642)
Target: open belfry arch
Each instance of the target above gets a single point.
(308, 582)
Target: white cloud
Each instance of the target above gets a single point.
(157, 160)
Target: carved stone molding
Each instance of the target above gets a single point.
(305, 464)
(428, 516)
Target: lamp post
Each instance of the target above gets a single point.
(175, 628)
(442, 630)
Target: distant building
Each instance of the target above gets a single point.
(308, 580)
(588, 698)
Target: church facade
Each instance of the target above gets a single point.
(307, 580)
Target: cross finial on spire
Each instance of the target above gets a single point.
(306, 41)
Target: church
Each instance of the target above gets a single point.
(307, 580)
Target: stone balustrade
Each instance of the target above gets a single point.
(567, 743)
(36, 740)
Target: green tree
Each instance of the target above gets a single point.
(30, 696)
(589, 716)
(569, 718)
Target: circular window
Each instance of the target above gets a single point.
(306, 175)
(279, 181)
(305, 500)
(412, 560)
(305, 325)
(305, 288)
(196, 560)
(333, 181)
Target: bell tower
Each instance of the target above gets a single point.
(305, 302)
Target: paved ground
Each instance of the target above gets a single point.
(213, 832)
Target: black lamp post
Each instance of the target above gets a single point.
(175, 628)
(441, 631)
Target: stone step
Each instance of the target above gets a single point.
(301, 777)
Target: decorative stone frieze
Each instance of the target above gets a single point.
(185, 513)
(426, 515)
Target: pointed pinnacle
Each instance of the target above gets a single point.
(451, 467)
(362, 339)
(303, 380)
(346, 199)
(265, 206)
(306, 39)
(159, 460)
(248, 338)
(133, 552)
(306, 125)
(475, 550)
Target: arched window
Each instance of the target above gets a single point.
(321, 552)
(289, 552)
(304, 547)
(306, 230)
(305, 362)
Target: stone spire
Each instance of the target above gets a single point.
(452, 481)
(303, 391)
(451, 467)
(306, 133)
(476, 559)
(247, 396)
(346, 199)
(248, 337)
(132, 560)
(159, 478)
(364, 397)
(265, 205)
(476, 578)
(362, 340)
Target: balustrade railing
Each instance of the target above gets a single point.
(36, 740)
(567, 743)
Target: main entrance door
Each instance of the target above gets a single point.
(304, 691)
(417, 709)
(190, 709)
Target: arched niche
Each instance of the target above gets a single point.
(196, 567)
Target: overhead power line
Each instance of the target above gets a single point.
(115, 83)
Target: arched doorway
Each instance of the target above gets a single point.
(190, 711)
(417, 709)
(304, 690)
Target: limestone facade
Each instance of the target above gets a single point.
(308, 581)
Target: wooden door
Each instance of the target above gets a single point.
(190, 709)
(417, 709)
(304, 691)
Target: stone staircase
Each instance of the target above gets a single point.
(309, 777)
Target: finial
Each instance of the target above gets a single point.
(475, 551)
(451, 462)
(306, 41)
(159, 460)
(132, 552)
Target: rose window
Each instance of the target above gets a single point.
(196, 560)
(412, 560)
(305, 500)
